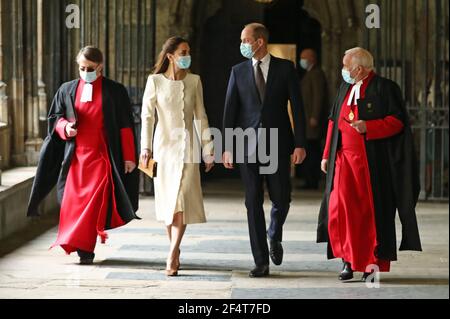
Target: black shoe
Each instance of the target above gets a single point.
(259, 271)
(86, 258)
(347, 272)
(276, 252)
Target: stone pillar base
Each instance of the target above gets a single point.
(32, 149)
(4, 146)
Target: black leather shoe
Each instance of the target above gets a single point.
(347, 272)
(86, 258)
(259, 271)
(276, 252)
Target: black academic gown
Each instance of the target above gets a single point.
(393, 170)
(56, 154)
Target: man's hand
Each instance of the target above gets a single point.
(324, 165)
(129, 166)
(299, 155)
(359, 126)
(70, 130)
(227, 160)
(146, 155)
(313, 122)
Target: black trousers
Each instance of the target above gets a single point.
(279, 187)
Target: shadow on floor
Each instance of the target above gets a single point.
(37, 227)
(160, 264)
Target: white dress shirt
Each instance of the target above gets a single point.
(265, 62)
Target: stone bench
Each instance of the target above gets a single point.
(14, 193)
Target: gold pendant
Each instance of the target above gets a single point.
(351, 116)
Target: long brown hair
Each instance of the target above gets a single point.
(170, 46)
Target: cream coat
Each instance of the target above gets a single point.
(175, 144)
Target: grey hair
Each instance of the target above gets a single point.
(361, 57)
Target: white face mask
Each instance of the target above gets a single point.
(304, 63)
(88, 77)
(347, 77)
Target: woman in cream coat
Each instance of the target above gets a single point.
(176, 96)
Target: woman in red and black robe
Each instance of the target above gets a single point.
(371, 172)
(90, 154)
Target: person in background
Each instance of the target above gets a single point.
(315, 99)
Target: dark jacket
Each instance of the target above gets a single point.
(315, 99)
(244, 108)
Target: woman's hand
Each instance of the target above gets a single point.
(146, 155)
(129, 166)
(209, 162)
(70, 130)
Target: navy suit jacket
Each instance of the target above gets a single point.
(244, 109)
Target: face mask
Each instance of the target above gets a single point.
(184, 62)
(347, 77)
(246, 50)
(304, 64)
(88, 77)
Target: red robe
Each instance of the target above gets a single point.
(351, 220)
(89, 185)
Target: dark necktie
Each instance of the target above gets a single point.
(260, 83)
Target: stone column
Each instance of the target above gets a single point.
(3, 109)
(42, 95)
(17, 95)
(4, 129)
(33, 142)
(3, 97)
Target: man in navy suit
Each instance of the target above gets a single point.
(256, 101)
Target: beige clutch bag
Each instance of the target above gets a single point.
(151, 169)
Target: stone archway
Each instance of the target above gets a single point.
(340, 31)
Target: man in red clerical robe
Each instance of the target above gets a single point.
(371, 169)
(90, 154)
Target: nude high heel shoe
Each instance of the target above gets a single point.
(172, 267)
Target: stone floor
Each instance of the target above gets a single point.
(216, 258)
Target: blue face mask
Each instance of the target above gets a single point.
(88, 77)
(304, 63)
(246, 50)
(347, 77)
(184, 62)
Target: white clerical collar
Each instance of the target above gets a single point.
(88, 90)
(86, 94)
(264, 60)
(355, 94)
